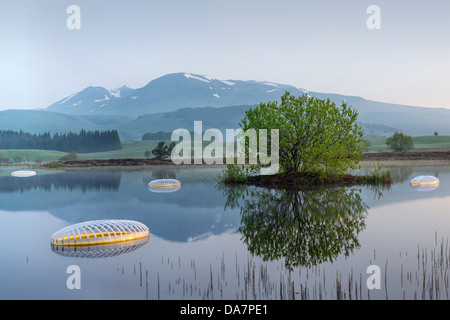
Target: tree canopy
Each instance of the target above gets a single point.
(162, 150)
(83, 142)
(400, 142)
(314, 135)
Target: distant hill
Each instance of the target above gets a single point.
(222, 118)
(38, 121)
(177, 100)
(217, 118)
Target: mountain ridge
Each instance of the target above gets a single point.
(172, 92)
(177, 99)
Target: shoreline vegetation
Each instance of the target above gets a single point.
(289, 181)
(423, 156)
(236, 175)
(286, 181)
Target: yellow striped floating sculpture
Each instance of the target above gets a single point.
(23, 173)
(99, 232)
(425, 183)
(99, 251)
(164, 185)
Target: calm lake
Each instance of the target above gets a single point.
(211, 242)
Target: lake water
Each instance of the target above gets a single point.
(210, 242)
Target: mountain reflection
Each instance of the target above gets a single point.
(81, 180)
(305, 228)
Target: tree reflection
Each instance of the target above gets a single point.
(304, 228)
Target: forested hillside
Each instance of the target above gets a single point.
(83, 142)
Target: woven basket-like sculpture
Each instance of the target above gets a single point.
(99, 232)
(164, 185)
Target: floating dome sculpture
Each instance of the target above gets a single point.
(164, 185)
(425, 183)
(99, 251)
(99, 232)
(23, 173)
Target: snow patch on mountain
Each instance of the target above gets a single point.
(115, 93)
(191, 76)
(67, 99)
(270, 84)
(207, 79)
(228, 82)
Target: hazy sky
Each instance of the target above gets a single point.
(319, 45)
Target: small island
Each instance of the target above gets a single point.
(318, 142)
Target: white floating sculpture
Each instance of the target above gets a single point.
(164, 185)
(23, 173)
(425, 183)
(99, 232)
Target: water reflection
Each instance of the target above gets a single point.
(304, 228)
(192, 213)
(100, 251)
(164, 173)
(80, 180)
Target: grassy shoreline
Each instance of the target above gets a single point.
(413, 157)
(437, 150)
(284, 181)
(295, 181)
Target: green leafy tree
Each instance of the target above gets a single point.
(315, 135)
(400, 142)
(162, 150)
(71, 156)
(147, 154)
(18, 159)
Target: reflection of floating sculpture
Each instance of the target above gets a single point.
(99, 251)
(425, 183)
(164, 185)
(99, 232)
(23, 173)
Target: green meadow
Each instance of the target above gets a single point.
(420, 143)
(136, 149)
(130, 150)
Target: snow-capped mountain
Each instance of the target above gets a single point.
(89, 100)
(169, 93)
(175, 99)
